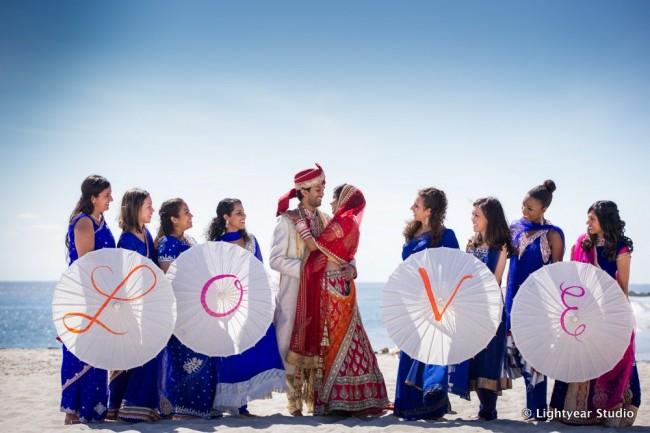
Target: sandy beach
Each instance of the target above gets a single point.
(30, 391)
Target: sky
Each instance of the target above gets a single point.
(206, 100)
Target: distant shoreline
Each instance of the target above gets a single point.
(636, 290)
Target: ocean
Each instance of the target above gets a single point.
(26, 317)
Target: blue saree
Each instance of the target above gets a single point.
(533, 251)
(255, 373)
(486, 374)
(133, 394)
(421, 389)
(84, 388)
(188, 378)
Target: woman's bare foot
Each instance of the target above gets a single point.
(71, 418)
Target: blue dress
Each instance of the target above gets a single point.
(255, 373)
(84, 391)
(421, 389)
(486, 374)
(133, 394)
(188, 378)
(533, 251)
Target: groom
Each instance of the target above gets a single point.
(287, 255)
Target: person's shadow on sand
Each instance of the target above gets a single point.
(386, 422)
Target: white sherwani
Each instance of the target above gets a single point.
(287, 254)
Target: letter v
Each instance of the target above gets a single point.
(437, 314)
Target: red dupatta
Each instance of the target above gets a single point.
(609, 387)
(338, 242)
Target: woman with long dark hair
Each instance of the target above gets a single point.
(187, 378)
(421, 389)
(537, 243)
(133, 393)
(84, 395)
(258, 371)
(492, 245)
(171, 240)
(606, 246)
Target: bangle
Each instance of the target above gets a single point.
(303, 228)
(305, 234)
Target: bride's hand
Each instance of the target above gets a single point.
(348, 272)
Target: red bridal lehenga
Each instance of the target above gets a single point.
(336, 368)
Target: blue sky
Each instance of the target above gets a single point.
(207, 100)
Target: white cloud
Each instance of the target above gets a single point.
(28, 216)
(49, 227)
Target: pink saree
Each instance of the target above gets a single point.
(611, 386)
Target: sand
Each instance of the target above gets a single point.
(30, 392)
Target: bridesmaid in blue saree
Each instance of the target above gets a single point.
(537, 243)
(421, 389)
(606, 246)
(258, 371)
(133, 394)
(492, 245)
(84, 395)
(188, 378)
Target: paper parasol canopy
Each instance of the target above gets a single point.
(571, 321)
(114, 309)
(224, 299)
(442, 306)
